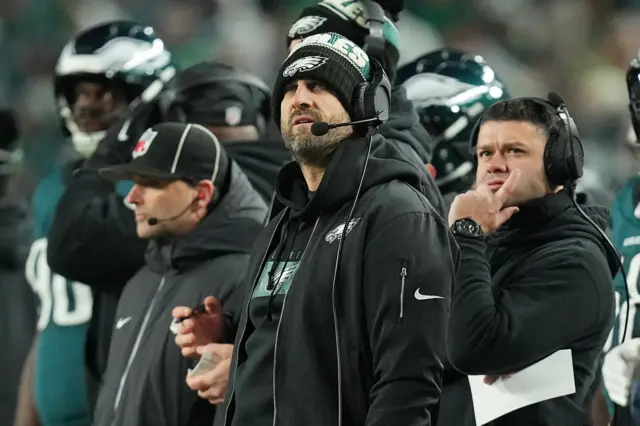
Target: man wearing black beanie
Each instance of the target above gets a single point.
(348, 289)
(349, 19)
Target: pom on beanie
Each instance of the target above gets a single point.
(346, 18)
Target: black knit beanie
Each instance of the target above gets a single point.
(348, 20)
(328, 58)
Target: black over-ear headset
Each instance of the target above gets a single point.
(373, 98)
(563, 153)
(172, 100)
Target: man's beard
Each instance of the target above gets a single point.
(313, 150)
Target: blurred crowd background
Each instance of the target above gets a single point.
(580, 48)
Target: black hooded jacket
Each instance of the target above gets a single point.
(144, 384)
(540, 283)
(366, 343)
(17, 304)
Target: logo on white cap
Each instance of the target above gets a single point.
(142, 147)
(233, 115)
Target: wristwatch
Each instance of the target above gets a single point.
(467, 228)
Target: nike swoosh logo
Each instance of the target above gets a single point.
(420, 296)
(121, 322)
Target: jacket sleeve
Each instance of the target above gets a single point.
(531, 318)
(409, 269)
(93, 237)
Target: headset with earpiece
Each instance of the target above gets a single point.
(373, 98)
(563, 153)
(173, 99)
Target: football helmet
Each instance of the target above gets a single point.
(122, 57)
(450, 90)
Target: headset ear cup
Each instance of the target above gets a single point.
(382, 99)
(549, 155)
(576, 153)
(375, 96)
(564, 153)
(558, 161)
(359, 104)
(577, 157)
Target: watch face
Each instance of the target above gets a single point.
(468, 228)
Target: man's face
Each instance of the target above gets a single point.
(504, 146)
(96, 105)
(162, 200)
(304, 102)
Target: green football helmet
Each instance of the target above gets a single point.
(450, 90)
(122, 57)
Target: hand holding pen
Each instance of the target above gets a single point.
(199, 326)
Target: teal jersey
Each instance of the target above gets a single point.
(625, 236)
(64, 315)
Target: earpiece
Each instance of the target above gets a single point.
(563, 154)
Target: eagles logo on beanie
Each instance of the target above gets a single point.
(346, 18)
(328, 58)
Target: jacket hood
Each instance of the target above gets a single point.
(552, 217)
(230, 228)
(260, 161)
(342, 176)
(16, 235)
(404, 126)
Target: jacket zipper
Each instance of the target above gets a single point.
(136, 346)
(403, 279)
(284, 303)
(244, 326)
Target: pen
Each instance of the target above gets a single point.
(200, 309)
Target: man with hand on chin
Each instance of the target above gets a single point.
(529, 259)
